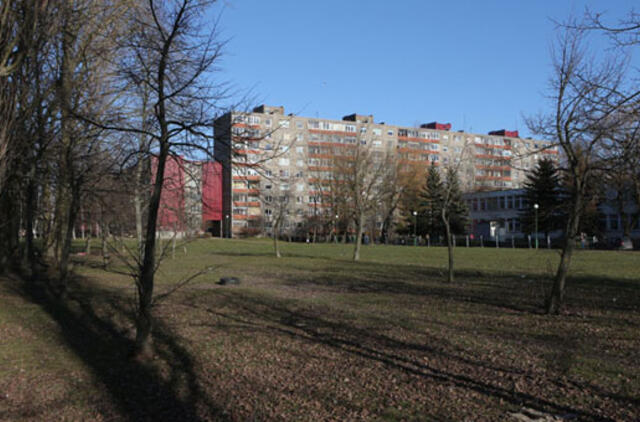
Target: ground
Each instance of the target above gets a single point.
(314, 336)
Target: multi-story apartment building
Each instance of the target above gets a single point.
(269, 156)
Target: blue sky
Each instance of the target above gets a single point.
(480, 65)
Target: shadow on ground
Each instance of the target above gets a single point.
(93, 325)
(287, 318)
(506, 290)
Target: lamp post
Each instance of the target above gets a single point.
(226, 225)
(535, 208)
(335, 229)
(415, 228)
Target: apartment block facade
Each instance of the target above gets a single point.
(267, 153)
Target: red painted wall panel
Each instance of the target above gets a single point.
(211, 191)
(170, 214)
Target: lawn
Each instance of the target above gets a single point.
(314, 336)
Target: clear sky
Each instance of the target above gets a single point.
(480, 65)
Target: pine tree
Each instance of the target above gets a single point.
(543, 187)
(456, 207)
(453, 214)
(431, 202)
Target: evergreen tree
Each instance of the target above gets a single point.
(543, 187)
(431, 203)
(456, 207)
(437, 194)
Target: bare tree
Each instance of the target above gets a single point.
(363, 176)
(170, 54)
(587, 96)
(279, 212)
(20, 25)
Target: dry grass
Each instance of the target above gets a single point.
(313, 336)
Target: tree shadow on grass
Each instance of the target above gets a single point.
(509, 291)
(91, 326)
(285, 318)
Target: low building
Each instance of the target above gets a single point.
(191, 201)
(498, 213)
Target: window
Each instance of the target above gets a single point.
(267, 122)
(376, 143)
(267, 186)
(363, 129)
(445, 149)
(350, 128)
(268, 211)
(299, 199)
(284, 173)
(377, 131)
(390, 132)
(299, 150)
(283, 161)
(300, 163)
(299, 124)
(283, 123)
(284, 186)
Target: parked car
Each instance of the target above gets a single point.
(625, 244)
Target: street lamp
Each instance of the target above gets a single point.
(335, 229)
(227, 225)
(415, 224)
(535, 207)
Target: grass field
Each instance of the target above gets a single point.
(314, 336)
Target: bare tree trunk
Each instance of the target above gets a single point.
(276, 235)
(139, 179)
(556, 297)
(65, 252)
(145, 283)
(359, 231)
(447, 228)
(29, 217)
